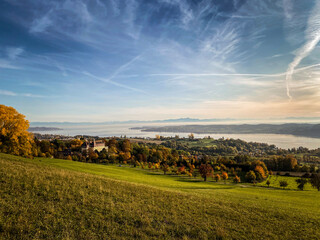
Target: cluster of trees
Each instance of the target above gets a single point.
(282, 163)
(15, 139)
(223, 147)
(172, 156)
(260, 173)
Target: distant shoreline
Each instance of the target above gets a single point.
(43, 129)
(296, 129)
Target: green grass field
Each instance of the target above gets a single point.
(60, 199)
(292, 185)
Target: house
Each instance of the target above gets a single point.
(98, 145)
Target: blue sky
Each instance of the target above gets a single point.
(81, 60)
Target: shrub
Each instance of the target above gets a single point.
(306, 175)
(268, 183)
(301, 182)
(283, 184)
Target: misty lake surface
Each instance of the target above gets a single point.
(109, 130)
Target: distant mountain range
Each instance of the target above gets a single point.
(133, 121)
(173, 121)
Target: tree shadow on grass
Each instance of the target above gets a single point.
(205, 188)
(185, 179)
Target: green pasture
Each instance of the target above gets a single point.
(59, 199)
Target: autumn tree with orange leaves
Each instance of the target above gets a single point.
(14, 136)
(260, 173)
(205, 171)
(224, 176)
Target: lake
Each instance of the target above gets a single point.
(109, 130)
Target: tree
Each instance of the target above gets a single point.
(268, 183)
(236, 179)
(14, 136)
(283, 184)
(93, 156)
(289, 163)
(165, 168)
(126, 145)
(224, 176)
(251, 176)
(181, 170)
(191, 136)
(217, 177)
(301, 182)
(260, 173)
(315, 181)
(205, 171)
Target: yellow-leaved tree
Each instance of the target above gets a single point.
(14, 136)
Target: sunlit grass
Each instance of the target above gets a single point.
(59, 199)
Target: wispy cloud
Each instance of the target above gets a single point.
(219, 74)
(14, 94)
(76, 12)
(124, 66)
(107, 80)
(312, 39)
(14, 52)
(160, 53)
(7, 64)
(41, 24)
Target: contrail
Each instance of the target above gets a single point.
(312, 37)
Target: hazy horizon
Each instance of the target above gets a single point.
(181, 121)
(96, 61)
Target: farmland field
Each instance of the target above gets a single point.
(59, 199)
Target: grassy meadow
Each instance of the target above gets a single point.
(59, 199)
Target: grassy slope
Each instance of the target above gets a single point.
(42, 198)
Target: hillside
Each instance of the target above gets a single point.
(60, 199)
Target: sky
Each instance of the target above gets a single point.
(118, 60)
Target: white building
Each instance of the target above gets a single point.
(98, 145)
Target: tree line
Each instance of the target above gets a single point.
(15, 139)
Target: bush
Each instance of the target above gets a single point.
(268, 182)
(301, 182)
(283, 184)
(306, 175)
